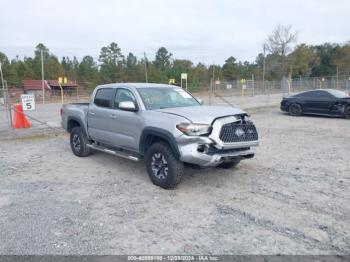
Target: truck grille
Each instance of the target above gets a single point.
(238, 132)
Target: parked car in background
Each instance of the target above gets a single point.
(326, 102)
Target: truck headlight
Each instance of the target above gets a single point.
(192, 129)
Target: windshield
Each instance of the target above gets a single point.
(338, 93)
(158, 98)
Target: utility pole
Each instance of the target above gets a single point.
(42, 76)
(144, 53)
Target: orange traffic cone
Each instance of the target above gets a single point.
(19, 119)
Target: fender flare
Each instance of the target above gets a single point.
(72, 118)
(164, 134)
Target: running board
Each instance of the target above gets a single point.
(114, 152)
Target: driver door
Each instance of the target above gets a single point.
(320, 102)
(126, 125)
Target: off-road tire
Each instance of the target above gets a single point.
(175, 168)
(228, 165)
(295, 109)
(347, 112)
(77, 135)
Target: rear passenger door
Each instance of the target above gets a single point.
(99, 117)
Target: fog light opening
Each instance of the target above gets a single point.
(202, 148)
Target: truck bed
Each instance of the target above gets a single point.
(74, 110)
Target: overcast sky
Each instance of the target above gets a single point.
(200, 30)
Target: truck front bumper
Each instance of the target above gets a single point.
(200, 151)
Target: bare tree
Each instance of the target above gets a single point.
(280, 40)
(279, 44)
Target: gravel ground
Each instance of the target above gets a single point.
(292, 198)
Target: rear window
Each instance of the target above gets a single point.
(104, 97)
(338, 93)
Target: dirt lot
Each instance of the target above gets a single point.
(292, 198)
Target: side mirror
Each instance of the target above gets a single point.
(127, 106)
(199, 100)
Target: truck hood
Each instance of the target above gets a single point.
(202, 114)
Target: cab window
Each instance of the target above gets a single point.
(104, 97)
(322, 95)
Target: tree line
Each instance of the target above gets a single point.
(276, 60)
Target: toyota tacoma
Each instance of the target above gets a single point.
(162, 124)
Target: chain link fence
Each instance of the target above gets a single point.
(245, 94)
(5, 108)
(284, 86)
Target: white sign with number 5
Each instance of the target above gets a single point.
(28, 102)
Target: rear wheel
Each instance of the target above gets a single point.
(228, 165)
(295, 109)
(78, 142)
(347, 112)
(163, 168)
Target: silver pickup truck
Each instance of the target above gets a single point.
(162, 124)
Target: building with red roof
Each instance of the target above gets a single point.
(52, 87)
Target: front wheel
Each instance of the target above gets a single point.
(295, 109)
(163, 168)
(78, 142)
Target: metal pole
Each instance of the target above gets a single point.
(6, 98)
(8, 105)
(268, 94)
(314, 83)
(263, 76)
(144, 54)
(2, 81)
(213, 78)
(62, 93)
(211, 83)
(337, 78)
(42, 76)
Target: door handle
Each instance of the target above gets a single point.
(113, 116)
(91, 113)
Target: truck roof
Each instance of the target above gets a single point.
(138, 85)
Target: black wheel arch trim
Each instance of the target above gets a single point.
(164, 134)
(76, 119)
